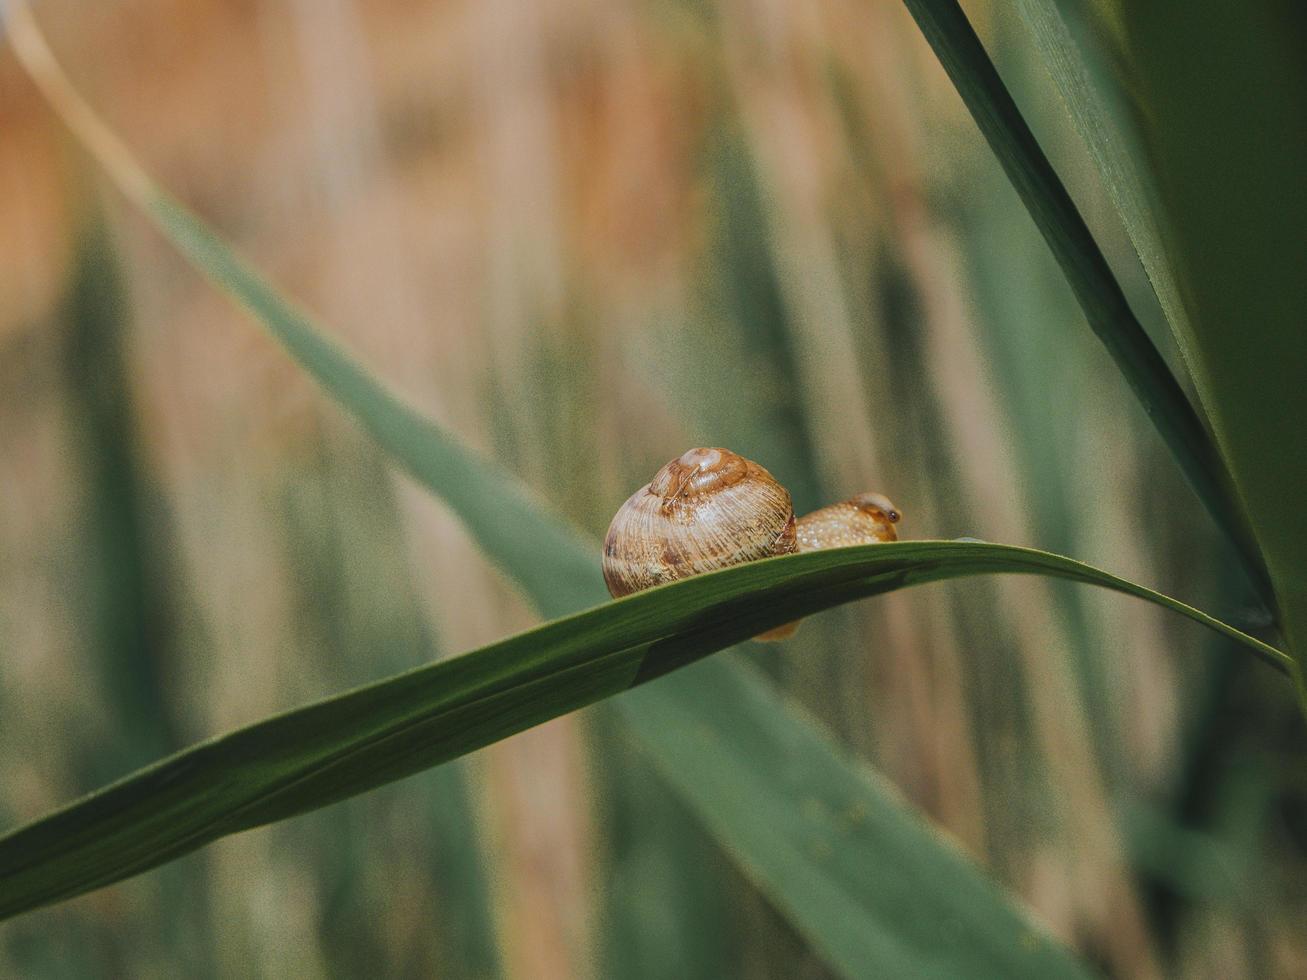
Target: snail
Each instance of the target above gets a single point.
(711, 508)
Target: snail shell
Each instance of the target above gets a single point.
(712, 508)
(707, 509)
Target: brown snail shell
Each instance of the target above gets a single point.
(712, 508)
(707, 509)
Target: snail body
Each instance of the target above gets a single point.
(864, 519)
(711, 508)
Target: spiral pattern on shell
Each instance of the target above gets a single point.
(707, 509)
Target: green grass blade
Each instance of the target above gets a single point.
(1224, 117)
(827, 838)
(323, 753)
(977, 81)
(506, 518)
(1117, 157)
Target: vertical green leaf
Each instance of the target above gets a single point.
(1224, 94)
(963, 57)
(1114, 149)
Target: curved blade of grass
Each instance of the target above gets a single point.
(317, 755)
(951, 37)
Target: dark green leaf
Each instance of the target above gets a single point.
(1117, 156)
(323, 753)
(1224, 97)
(959, 50)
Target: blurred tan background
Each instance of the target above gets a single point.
(586, 235)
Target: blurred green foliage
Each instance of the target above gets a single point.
(143, 577)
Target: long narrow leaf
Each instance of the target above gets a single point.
(339, 747)
(827, 837)
(1224, 117)
(977, 81)
(1117, 157)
